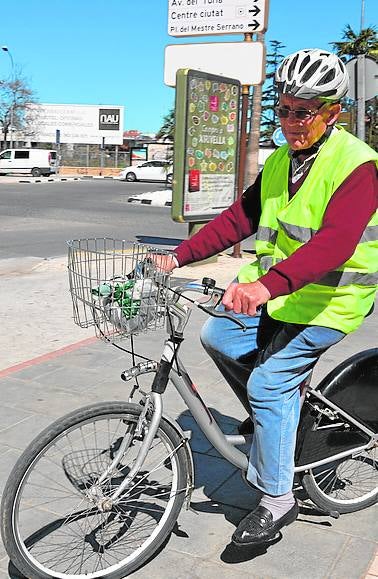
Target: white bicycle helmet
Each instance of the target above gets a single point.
(313, 73)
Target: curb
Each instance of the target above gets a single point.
(100, 177)
(48, 180)
(148, 202)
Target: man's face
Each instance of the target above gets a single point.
(302, 134)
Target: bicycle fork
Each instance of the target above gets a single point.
(153, 411)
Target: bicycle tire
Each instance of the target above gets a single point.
(349, 484)
(345, 485)
(78, 467)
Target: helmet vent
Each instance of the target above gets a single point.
(304, 63)
(311, 70)
(327, 77)
(292, 68)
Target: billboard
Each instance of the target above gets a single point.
(206, 145)
(88, 124)
(160, 151)
(138, 154)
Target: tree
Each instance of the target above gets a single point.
(352, 45)
(365, 42)
(15, 95)
(167, 130)
(269, 121)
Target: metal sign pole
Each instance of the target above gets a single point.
(242, 152)
(360, 96)
(243, 145)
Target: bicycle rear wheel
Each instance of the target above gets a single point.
(51, 527)
(346, 485)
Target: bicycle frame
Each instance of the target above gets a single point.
(225, 444)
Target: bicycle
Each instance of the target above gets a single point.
(98, 492)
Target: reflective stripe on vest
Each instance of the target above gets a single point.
(332, 279)
(304, 234)
(266, 234)
(370, 234)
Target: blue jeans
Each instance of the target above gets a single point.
(286, 354)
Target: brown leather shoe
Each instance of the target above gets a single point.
(258, 526)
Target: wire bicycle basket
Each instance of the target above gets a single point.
(116, 286)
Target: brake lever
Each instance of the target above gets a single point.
(216, 314)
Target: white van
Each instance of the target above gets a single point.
(36, 162)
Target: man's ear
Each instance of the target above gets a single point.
(333, 113)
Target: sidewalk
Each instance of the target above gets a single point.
(49, 367)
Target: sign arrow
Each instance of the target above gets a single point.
(255, 10)
(254, 24)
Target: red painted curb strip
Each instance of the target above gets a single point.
(48, 356)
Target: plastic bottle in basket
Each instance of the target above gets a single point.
(129, 306)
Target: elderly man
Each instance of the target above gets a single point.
(313, 209)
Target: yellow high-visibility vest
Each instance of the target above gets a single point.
(342, 298)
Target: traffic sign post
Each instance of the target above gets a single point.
(205, 17)
(363, 86)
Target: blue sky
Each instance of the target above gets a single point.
(96, 52)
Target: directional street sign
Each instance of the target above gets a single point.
(205, 17)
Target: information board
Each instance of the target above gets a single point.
(206, 145)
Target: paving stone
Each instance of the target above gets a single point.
(360, 524)
(353, 559)
(18, 436)
(70, 379)
(198, 441)
(210, 473)
(8, 460)
(203, 534)
(171, 564)
(9, 417)
(235, 492)
(3, 449)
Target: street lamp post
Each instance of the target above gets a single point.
(6, 49)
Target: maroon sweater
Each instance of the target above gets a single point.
(347, 214)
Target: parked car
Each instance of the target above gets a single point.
(36, 162)
(148, 171)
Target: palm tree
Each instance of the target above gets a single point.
(167, 130)
(365, 42)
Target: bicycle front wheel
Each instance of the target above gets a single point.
(52, 524)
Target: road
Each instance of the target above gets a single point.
(37, 219)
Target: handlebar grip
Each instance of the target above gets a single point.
(216, 314)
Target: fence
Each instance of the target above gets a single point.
(93, 156)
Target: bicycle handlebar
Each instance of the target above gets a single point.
(208, 287)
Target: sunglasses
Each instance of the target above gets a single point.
(298, 114)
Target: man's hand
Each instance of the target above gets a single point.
(245, 298)
(163, 262)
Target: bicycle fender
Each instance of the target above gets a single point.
(189, 455)
(352, 385)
